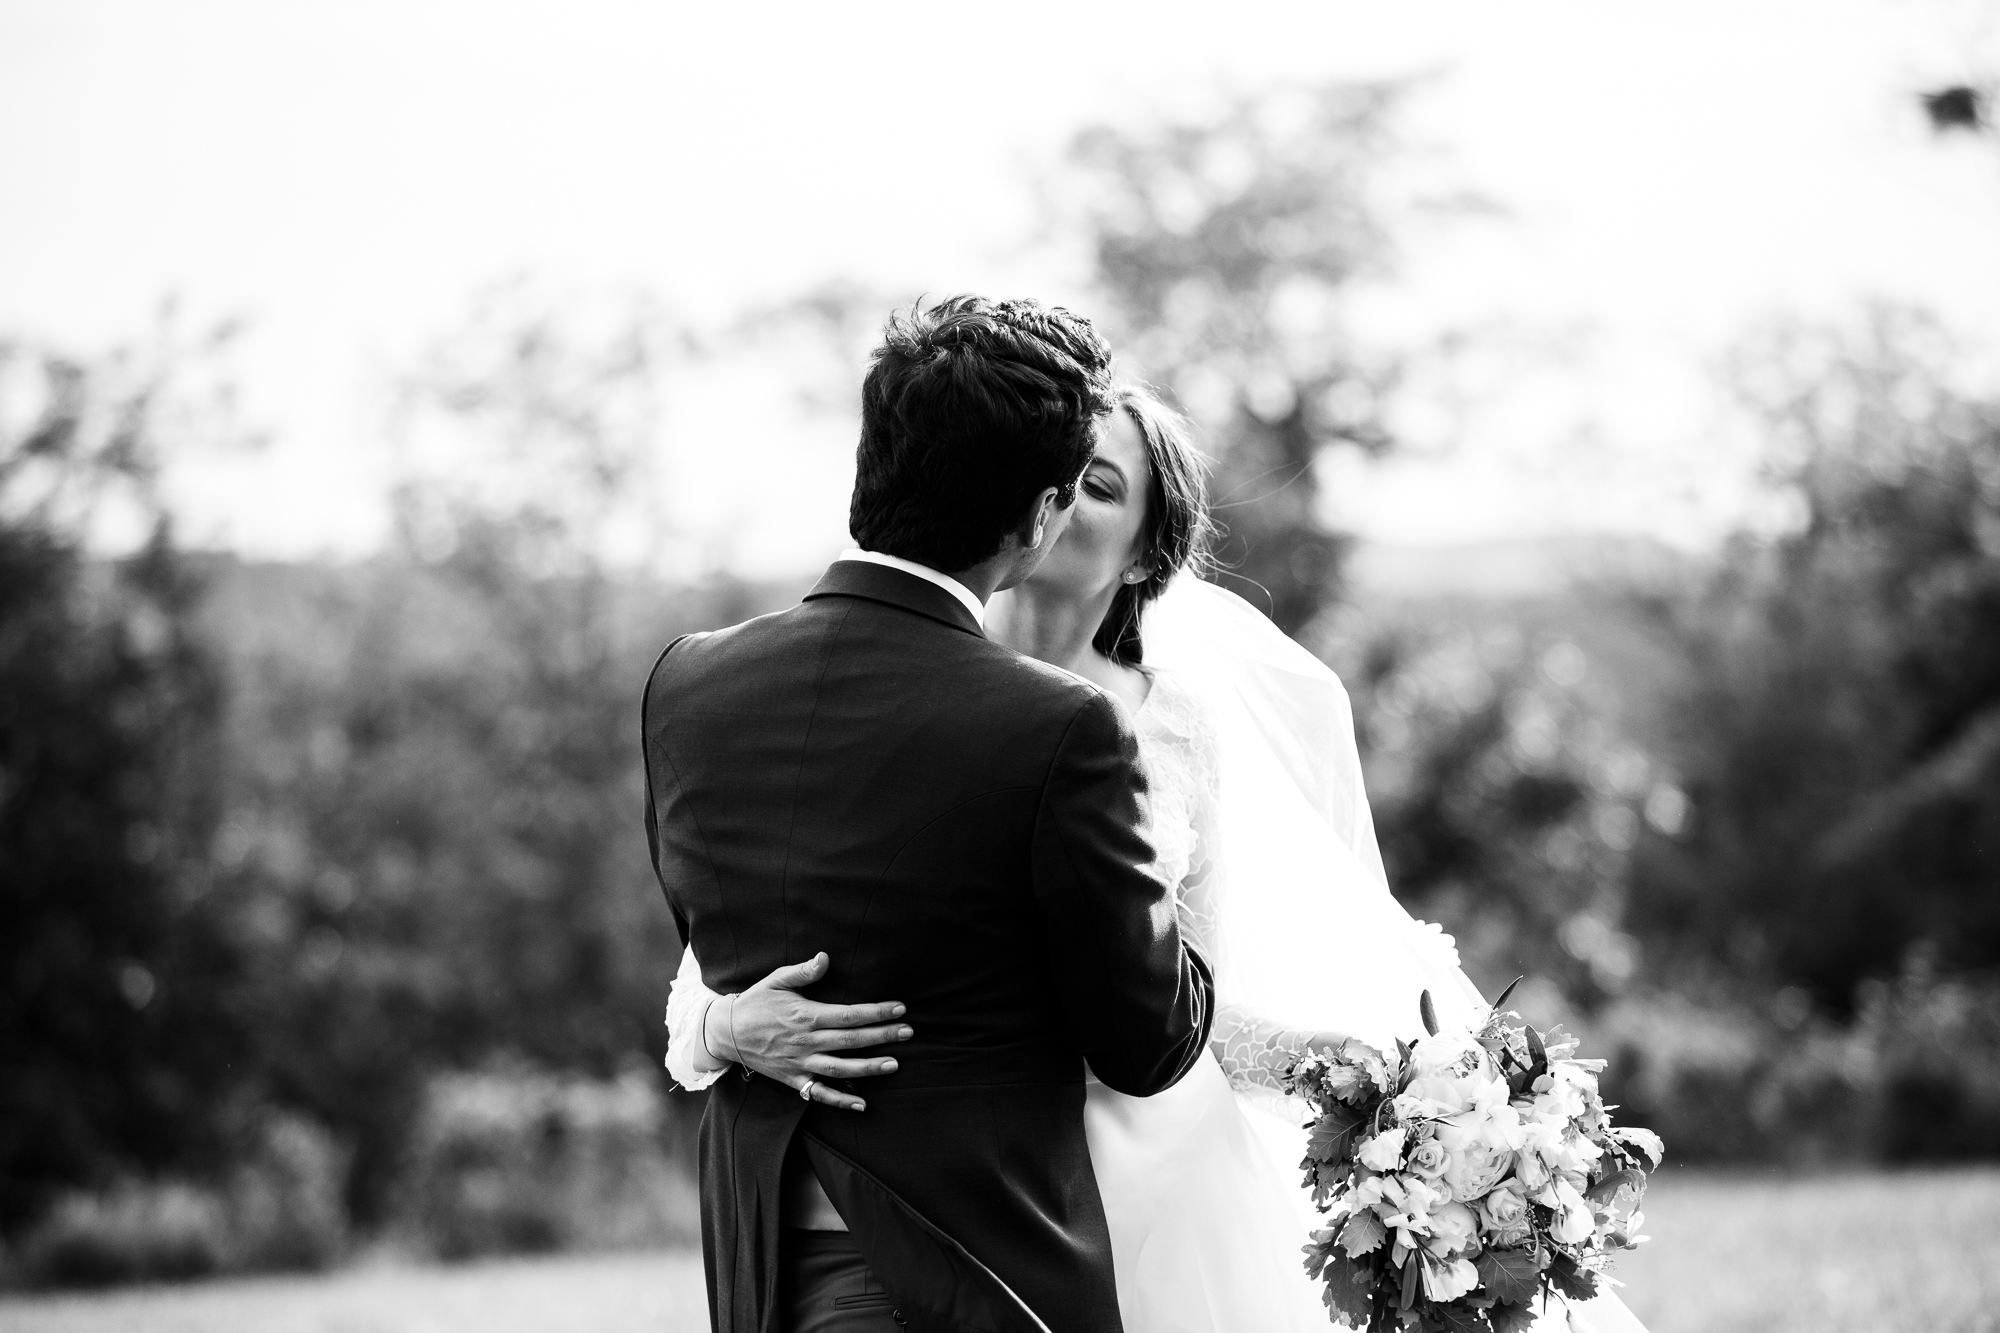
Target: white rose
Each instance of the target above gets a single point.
(1409, 1107)
(1505, 1208)
(1429, 1159)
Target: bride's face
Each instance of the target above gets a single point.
(1103, 539)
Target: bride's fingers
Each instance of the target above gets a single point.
(855, 1039)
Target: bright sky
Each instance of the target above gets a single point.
(347, 175)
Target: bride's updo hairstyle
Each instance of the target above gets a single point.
(1176, 529)
(971, 409)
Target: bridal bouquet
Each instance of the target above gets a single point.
(1465, 1176)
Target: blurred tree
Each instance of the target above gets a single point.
(1841, 728)
(578, 943)
(115, 1036)
(1229, 250)
(436, 802)
(1503, 782)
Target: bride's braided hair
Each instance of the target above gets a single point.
(1176, 529)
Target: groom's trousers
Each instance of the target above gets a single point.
(826, 1286)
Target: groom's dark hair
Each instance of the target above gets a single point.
(970, 410)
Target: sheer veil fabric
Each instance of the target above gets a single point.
(1306, 931)
(1306, 928)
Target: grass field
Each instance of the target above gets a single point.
(1903, 1253)
(1916, 1253)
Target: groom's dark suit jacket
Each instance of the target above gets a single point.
(958, 826)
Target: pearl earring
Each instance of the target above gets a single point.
(1134, 576)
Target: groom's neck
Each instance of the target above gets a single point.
(989, 575)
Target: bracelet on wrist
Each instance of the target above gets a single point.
(702, 1030)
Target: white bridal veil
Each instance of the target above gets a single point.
(1307, 932)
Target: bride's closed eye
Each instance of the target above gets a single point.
(1105, 485)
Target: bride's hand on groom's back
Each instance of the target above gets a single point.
(779, 1033)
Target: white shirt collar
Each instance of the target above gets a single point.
(928, 575)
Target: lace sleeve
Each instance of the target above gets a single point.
(687, 1005)
(1253, 1051)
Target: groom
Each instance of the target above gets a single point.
(956, 825)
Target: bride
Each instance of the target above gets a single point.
(1259, 817)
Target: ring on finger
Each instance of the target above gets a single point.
(806, 1089)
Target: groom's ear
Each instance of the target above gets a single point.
(1047, 506)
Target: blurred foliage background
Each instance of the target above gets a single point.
(326, 919)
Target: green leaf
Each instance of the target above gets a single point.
(1428, 1012)
(1411, 1283)
(1459, 1317)
(1605, 1190)
(1330, 1142)
(1501, 1003)
(1645, 1140)
(1538, 1057)
(1509, 1275)
(1317, 1251)
(1363, 1233)
(1573, 1282)
(1350, 1290)
(1509, 1318)
(1406, 1070)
